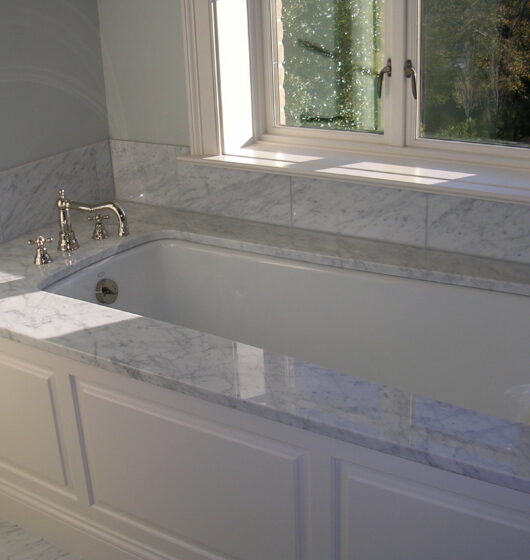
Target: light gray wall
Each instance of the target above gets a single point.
(143, 57)
(52, 92)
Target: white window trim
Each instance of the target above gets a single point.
(201, 71)
(393, 130)
(494, 172)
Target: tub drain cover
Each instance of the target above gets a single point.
(106, 291)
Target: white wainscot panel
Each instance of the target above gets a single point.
(382, 517)
(216, 488)
(29, 436)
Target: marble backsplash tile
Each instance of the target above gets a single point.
(371, 212)
(152, 174)
(145, 172)
(235, 193)
(479, 227)
(149, 173)
(28, 192)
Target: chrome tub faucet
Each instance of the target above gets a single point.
(67, 238)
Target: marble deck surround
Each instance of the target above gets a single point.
(206, 366)
(28, 192)
(17, 544)
(152, 173)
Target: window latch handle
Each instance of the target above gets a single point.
(386, 70)
(410, 72)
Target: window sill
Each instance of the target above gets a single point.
(410, 172)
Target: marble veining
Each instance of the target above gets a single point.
(235, 193)
(155, 174)
(26, 191)
(144, 172)
(150, 173)
(253, 380)
(479, 227)
(17, 544)
(364, 211)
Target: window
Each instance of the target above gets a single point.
(327, 56)
(421, 79)
(475, 57)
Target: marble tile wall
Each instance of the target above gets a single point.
(145, 172)
(151, 173)
(263, 197)
(479, 227)
(362, 211)
(28, 192)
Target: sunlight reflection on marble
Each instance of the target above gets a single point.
(48, 309)
(250, 370)
(275, 155)
(253, 160)
(6, 277)
(349, 172)
(408, 170)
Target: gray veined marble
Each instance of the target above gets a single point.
(145, 172)
(236, 193)
(17, 544)
(153, 174)
(28, 191)
(150, 173)
(257, 381)
(377, 213)
(479, 227)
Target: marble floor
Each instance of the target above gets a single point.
(16, 544)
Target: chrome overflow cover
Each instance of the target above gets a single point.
(106, 291)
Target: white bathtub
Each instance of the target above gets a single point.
(464, 346)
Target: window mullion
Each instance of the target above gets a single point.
(413, 53)
(395, 48)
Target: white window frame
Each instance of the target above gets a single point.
(393, 135)
(401, 111)
(461, 150)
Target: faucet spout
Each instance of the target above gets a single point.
(114, 207)
(67, 238)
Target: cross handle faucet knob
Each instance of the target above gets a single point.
(100, 231)
(40, 241)
(41, 253)
(98, 218)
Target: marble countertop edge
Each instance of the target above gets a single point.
(304, 422)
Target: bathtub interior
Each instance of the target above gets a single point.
(463, 346)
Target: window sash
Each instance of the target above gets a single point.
(461, 150)
(264, 38)
(402, 111)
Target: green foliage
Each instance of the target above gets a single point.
(332, 52)
(475, 67)
(476, 70)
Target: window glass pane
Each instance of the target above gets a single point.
(329, 53)
(476, 71)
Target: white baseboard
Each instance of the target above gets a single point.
(69, 531)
